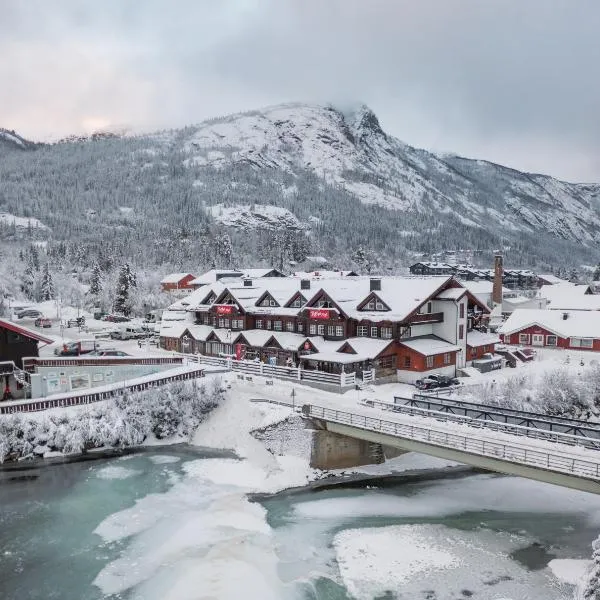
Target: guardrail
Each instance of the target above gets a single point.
(497, 414)
(30, 364)
(550, 461)
(511, 429)
(265, 370)
(91, 397)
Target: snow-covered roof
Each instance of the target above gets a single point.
(562, 291)
(478, 338)
(175, 277)
(365, 346)
(215, 275)
(173, 329)
(429, 345)
(451, 294)
(481, 287)
(256, 337)
(587, 302)
(256, 273)
(577, 324)
(25, 331)
(551, 279)
(288, 340)
(335, 357)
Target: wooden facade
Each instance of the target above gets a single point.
(537, 336)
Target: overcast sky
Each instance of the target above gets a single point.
(513, 81)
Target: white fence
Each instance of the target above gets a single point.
(264, 370)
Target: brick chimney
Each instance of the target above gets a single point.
(497, 287)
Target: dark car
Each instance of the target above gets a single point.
(108, 353)
(29, 313)
(433, 382)
(116, 319)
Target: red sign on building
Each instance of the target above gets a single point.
(318, 313)
(240, 351)
(224, 309)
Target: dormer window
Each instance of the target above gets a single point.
(297, 303)
(375, 304)
(324, 304)
(210, 299)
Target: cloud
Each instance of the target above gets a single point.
(508, 80)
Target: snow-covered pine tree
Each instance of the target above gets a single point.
(47, 290)
(95, 282)
(122, 302)
(224, 249)
(28, 279)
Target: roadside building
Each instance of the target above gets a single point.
(177, 283)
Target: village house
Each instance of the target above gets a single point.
(16, 342)
(571, 330)
(401, 327)
(177, 283)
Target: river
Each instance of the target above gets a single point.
(170, 523)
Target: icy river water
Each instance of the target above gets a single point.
(162, 525)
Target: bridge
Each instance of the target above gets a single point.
(555, 450)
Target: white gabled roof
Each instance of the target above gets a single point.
(335, 357)
(481, 287)
(256, 337)
(173, 329)
(200, 332)
(587, 302)
(365, 346)
(578, 323)
(215, 275)
(429, 345)
(478, 338)
(562, 292)
(451, 294)
(174, 277)
(552, 279)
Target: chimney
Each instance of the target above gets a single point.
(375, 284)
(305, 284)
(497, 287)
(247, 282)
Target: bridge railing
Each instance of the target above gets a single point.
(509, 428)
(557, 461)
(498, 414)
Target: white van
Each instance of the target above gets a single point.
(130, 332)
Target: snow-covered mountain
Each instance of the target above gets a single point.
(352, 151)
(10, 139)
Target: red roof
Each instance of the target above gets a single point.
(24, 331)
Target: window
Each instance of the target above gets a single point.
(226, 321)
(373, 331)
(447, 357)
(321, 329)
(297, 303)
(289, 326)
(429, 307)
(407, 362)
(386, 333)
(300, 327)
(331, 330)
(551, 340)
(237, 324)
(429, 362)
(362, 331)
(277, 326)
(221, 322)
(461, 332)
(404, 333)
(339, 331)
(462, 310)
(312, 329)
(272, 302)
(523, 338)
(268, 324)
(386, 362)
(379, 305)
(370, 305)
(259, 324)
(582, 342)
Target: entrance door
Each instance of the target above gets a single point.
(537, 339)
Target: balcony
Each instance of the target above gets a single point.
(427, 318)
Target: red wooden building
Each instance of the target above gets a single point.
(178, 282)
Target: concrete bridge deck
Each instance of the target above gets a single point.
(543, 455)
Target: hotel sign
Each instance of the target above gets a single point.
(224, 309)
(319, 313)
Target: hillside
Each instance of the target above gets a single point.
(314, 171)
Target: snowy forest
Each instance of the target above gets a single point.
(75, 214)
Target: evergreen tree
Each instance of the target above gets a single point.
(224, 249)
(127, 280)
(96, 281)
(47, 289)
(28, 280)
(596, 276)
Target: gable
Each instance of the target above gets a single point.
(267, 300)
(296, 301)
(373, 303)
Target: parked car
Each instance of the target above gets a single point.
(130, 333)
(78, 322)
(43, 322)
(432, 382)
(116, 318)
(108, 352)
(76, 348)
(29, 313)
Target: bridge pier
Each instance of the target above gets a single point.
(335, 451)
